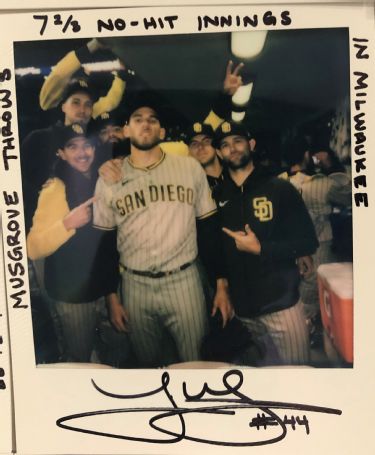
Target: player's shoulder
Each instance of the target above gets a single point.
(194, 165)
(340, 178)
(53, 188)
(279, 187)
(53, 183)
(280, 183)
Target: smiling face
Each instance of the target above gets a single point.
(201, 149)
(143, 129)
(77, 108)
(236, 151)
(79, 153)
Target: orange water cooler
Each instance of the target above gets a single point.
(335, 283)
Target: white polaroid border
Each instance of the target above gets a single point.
(6, 407)
(53, 4)
(44, 396)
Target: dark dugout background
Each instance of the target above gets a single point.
(300, 78)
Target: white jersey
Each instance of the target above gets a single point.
(155, 211)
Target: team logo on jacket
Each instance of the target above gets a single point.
(263, 208)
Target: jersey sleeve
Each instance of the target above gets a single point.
(104, 216)
(204, 204)
(48, 232)
(56, 82)
(222, 109)
(111, 100)
(33, 174)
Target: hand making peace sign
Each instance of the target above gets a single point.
(233, 80)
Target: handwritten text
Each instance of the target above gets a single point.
(243, 412)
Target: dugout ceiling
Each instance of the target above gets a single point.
(300, 76)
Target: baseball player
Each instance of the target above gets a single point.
(159, 206)
(39, 148)
(321, 191)
(108, 127)
(54, 87)
(79, 267)
(267, 228)
(78, 103)
(199, 137)
(110, 171)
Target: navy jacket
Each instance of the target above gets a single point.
(274, 210)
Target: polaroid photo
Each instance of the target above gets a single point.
(166, 172)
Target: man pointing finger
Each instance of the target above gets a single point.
(245, 241)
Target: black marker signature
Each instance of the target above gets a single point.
(227, 402)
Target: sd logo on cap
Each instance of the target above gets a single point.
(230, 129)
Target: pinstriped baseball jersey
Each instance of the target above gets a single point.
(155, 211)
